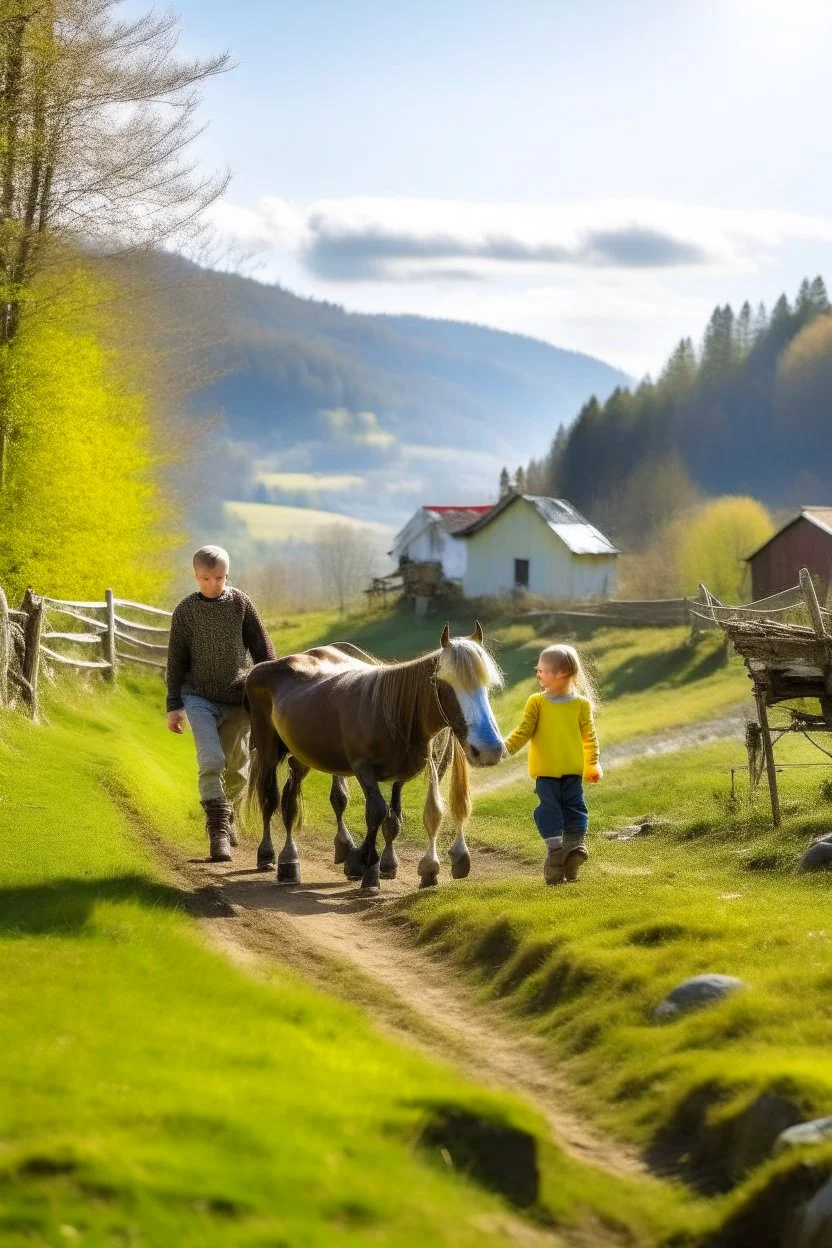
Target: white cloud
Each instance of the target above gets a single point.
(365, 239)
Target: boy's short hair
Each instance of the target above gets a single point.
(211, 557)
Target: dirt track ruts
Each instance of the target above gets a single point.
(329, 931)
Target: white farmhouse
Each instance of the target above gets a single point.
(542, 545)
(430, 536)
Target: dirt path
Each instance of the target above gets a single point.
(326, 929)
(730, 726)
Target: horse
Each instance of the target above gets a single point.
(335, 709)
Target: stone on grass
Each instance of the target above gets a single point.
(814, 1132)
(693, 993)
(816, 1224)
(818, 857)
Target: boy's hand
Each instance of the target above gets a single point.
(176, 721)
(593, 774)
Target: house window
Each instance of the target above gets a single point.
(521, 573)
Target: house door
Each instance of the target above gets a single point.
(521, 574)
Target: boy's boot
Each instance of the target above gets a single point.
(232, 826)
(553, 866)
(217, 813)
(575, 855)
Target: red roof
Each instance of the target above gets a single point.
(481, 508)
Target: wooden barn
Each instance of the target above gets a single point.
(542, 545)
(431, 535)
(805, 542)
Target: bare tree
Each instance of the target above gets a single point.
(97, 122)
(345, 558)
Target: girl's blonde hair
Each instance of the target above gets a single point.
(564, 658)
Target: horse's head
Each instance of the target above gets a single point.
(464, 674)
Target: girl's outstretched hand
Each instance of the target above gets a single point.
(593, 773)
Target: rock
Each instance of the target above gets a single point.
(818, 857)
(816, 1223)
(814, 1132)
(753, 1134)
(693, 993)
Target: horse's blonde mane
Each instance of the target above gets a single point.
(468, 666)
(404, 694)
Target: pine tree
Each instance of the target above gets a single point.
(781, 313)
(520, 481)
(760, 322)
(818, 296)
(744, 333)
(505, 483)
(803, 303)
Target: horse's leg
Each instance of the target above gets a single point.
(460, 813)
(288, 862)
(390, 829)
(267, 751)
(339, 796)
(431, 817)
(365, 860)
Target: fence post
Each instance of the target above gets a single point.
(33, 606)
(108, 639)
(5, 649)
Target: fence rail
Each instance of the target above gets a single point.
(25, 632)
(658, 611)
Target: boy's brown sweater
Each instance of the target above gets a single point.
(209, 647)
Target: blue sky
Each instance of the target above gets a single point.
(597, 174)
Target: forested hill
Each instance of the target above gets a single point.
(750, 411)
(303, 385)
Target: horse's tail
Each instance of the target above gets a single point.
(267, 751)
(460, 794)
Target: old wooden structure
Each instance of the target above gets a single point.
(28, 637)
(787, 660)
(805, 542)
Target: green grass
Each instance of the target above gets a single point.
(712, 889)
(156, 1094)
(650, 679)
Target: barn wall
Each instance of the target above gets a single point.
(554, 572)
(801, 545)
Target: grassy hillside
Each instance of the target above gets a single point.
(189, 1102)
(159, 1094)
(305, 386)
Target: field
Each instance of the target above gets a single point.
(161, 1093)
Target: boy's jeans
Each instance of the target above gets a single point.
(221, 739)
(561, 808)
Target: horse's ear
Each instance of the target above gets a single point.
(477, 634)
(446, 638)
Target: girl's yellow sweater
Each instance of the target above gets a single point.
(562, 735)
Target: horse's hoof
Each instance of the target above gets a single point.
(354, 864)
(389, 864)
(288, 873)
(342, 849)
(429, 880)
(369, 880)
(461, 867)
(265, 864)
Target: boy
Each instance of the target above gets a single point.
(212, 634)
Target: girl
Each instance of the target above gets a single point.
(563, 753)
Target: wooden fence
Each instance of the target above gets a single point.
(658, 611)
(30, 634)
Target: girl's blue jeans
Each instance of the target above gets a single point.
(561, 806)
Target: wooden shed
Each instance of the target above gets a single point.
(805, 542)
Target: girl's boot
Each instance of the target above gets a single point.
(575, 855)
(553, 866)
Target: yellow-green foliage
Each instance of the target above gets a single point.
(81, 508)
(713, 544)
